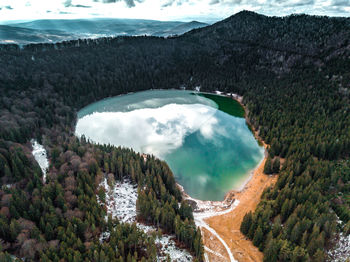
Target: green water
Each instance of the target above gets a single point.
(203, 137)
(226, 104)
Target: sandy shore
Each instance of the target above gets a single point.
(220, 221)
(228, 225)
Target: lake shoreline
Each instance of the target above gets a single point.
(229, 196)
(176, 126)
(224, 218)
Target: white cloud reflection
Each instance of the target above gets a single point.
(155, 131)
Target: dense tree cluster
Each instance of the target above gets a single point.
(159, 199)
(62, 218)
(306, 121)
(294, 75)
(158, 203)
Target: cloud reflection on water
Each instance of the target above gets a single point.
(155, 131)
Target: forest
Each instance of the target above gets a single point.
(294, 75)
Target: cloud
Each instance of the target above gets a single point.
(68, 3)
(129, 3)
(345, 3)
(177, 128)
(214, 2)
(83, 6)
(157, 131)
(180, 10)
(168, 3)
(290, 3)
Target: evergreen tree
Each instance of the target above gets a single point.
(246, 223)
(276, 165)
(268, 166)
(258, 237)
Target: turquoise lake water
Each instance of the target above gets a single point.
(209, 151)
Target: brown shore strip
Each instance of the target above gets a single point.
(228, 225)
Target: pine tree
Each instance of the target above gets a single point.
(246, 223)
(14, 229)
(276, 229)
(319, 256)
(271, 251)
(276, 165)
(258, 237)
(268, 166)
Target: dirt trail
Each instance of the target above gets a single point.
(221, 229)
(227, 224)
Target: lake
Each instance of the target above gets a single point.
(203, 137)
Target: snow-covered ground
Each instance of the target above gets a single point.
(210, 211)
(121, 203)
(341, 251)
(169, 248)
(213, 211)
(235, 96)
(121, 200)
(213, 252)
(40, 156)
(206, 209)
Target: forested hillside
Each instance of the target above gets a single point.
(294, 74)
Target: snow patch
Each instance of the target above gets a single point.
(104, 236)
(233, 95)
(213, 252)
(169, 248)
(208, 209)
(199, 220)
(121, 200)
(341, 252)
(212, 211)
(40, 156)
(121, 203)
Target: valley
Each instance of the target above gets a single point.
(290, 73)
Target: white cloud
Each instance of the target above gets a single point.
(156, 131)
(204, 10)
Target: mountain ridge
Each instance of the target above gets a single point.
(293, 74)
(58, 30)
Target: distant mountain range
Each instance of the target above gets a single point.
(56, 30)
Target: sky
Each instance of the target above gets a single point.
(165, 10)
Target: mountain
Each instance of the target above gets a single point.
(46, 31)
(279, 42)
(102, 26)
(12, 34)
(293, 73)
(304, 34)
(181, 29)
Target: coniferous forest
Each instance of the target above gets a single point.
(294, 75)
